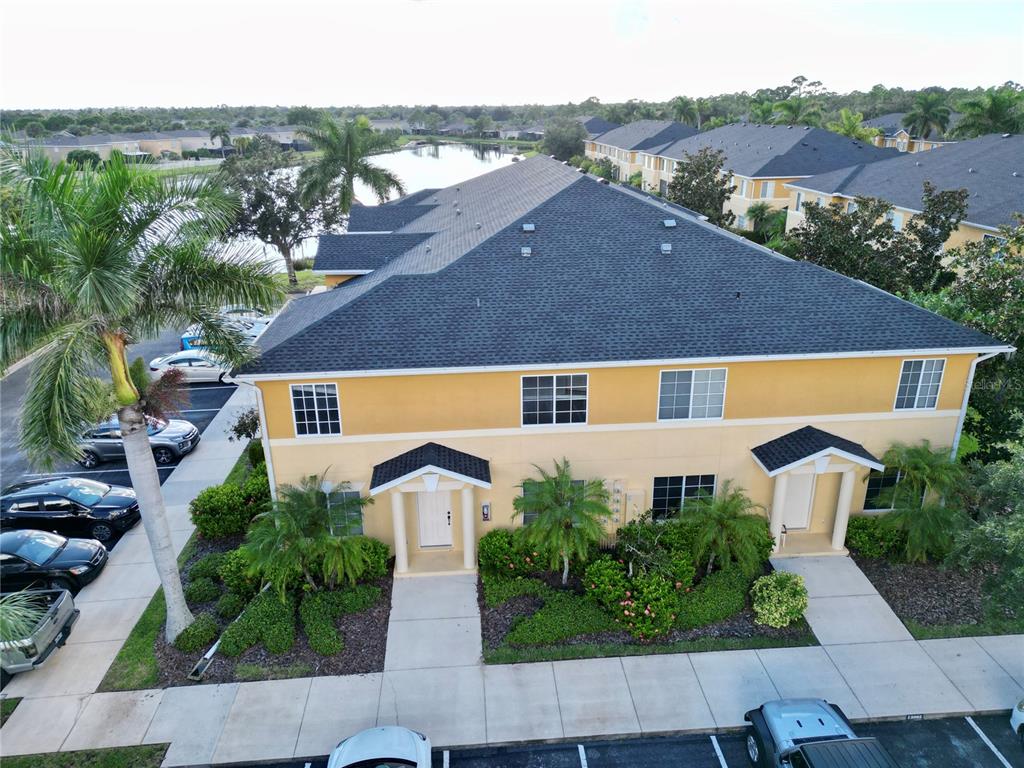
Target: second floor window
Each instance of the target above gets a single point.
(919, 385)
(560, 399)
(767, 188)
(799, 202)
(696, 394)
(315, 409)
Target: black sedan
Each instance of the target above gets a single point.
(43, 560)
(72, 506)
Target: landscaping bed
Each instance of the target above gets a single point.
(146, 756)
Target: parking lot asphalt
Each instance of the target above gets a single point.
(934, 743)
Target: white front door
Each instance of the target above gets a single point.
(435, 518)
(799, 495)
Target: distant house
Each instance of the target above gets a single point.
(894, 135)
(595, 126)
(457, 128)
(192, 140)
(990, 168)
(390, 124)
(156, 143)
(57, 147)
(624, 145)
(761, 159)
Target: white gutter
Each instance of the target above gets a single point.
(967, 396)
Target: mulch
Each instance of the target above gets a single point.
(926, 592)
(365, 635)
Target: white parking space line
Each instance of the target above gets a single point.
(583, 756)
(718, 751)
(988, 742)
(77, 472)
(445, 757)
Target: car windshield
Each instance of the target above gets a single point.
(382, 762)
(39, 547)
(155, 426)
(85, 492)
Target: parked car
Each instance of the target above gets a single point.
(70, 506)
(1017, 721)
(170, 440)
(390, 746)
(195, 364)
(57, 616)
(43, 560)
(808, 733)
(250, 327)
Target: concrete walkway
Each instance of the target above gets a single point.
(434, 622)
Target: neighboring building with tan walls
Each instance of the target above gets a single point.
(624, 145)
(537, 314)
(990, 168)
(895, 136)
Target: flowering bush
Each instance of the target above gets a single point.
(780, 598)
(502, 552)
(605, 581)
(649, 607)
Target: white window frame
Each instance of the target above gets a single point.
(799, 202)
(851, 206)
(741, 221)
(917, 394)
(878, 510)
(742, 191)
(725, 391)
(766, 187)
(554, 387)
(682, 500)
(295, 421)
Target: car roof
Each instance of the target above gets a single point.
(848, 753)
(390, 741)
(793, 721)
(10, 541)
(36, 486)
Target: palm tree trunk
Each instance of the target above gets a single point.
(565, 569)
(146, 482)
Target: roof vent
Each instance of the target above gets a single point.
(1006, 135)
(478, 225)
(1015, 174)
(917, 162)
(455, 204)
(666, 249)
(428, 249)
(970, 170)
(525, 250)
(529, 227)
(605, 181)
(669, 223)
(458, 211)
(581, 170)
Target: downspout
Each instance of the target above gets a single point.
(265, 439)
(963, 408)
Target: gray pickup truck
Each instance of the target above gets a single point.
(21, 654)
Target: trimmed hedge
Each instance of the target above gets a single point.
(256, 490)
(234, 573)
(494, 552)
(378, 558)
(254, 453)
(320, 610)
(207, 567)
(201, 590)
(873, 536)
(498, 590)
(219, 511)
(564, 615)
(230, 605)
(266, 619)
(719, 596)
(779, 599)
(197, 635)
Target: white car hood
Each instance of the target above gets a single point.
(390, 741)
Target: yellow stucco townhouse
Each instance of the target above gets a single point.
(625, 145)
(990, 168)
(535, 313)
(894, 135)
(761, 160)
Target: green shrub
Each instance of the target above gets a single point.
(207, 567)
(201, 590)
(234, 573)
(256, 491)
(498, 590)
(495, 552)
(679, 537)
(605, 581)
(265, 619)
(564, 615)
(318, 614)
(279, 636)
(230, 605)
(197, 635)
(681, 570)
(355, 599)
(648, 610)
(220, 510)
(718, 596)
(780, 598)
(872, 536)
(378, 557)
(254, 453)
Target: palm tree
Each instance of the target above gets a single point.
(930, 114)
(20, 612)
(569, 514)
(220, 131)
(684, 110)
(345, 149)
(725, 530)
(797, 110)
(758, 213)
(762, 112)
(308, 533)
(1000, 110)
(93, 260)
(851, 124)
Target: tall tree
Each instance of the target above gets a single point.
(929, 115)
(483, 124)
(273, 208)
(726, 531)
(93, 260)
(302, 116)
(762, 112)
(564, 137)
(346, 149)
(220, 131)
(798, 110)
(851, 124)
(999, 110)
(684, 110)
(700, 185)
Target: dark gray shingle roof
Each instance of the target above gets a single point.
(414, 197)
(779, 151)
(362, 252)
(803, 443)
(595, 126)
(645, 134)
(985, 167)
(383, 218)
(595, 288)
(431, 455)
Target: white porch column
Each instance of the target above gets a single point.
(468, 528)
(778, 504)
(401, 541)
(843, 510)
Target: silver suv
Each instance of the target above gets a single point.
(169, 439)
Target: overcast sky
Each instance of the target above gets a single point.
(82, 53)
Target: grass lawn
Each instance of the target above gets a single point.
(307, 281)
(7, 707)
(192, 170)
(241, 469)
(148, 756)
(984, 627)
(249, 672)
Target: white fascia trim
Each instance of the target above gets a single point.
(342, 271)
(820, 454)
(425, 470)
(374, 232)
(577, 366)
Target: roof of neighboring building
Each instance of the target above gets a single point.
(595, 287)
(802, 444)
(187, 133)
(990, 168)
(414, 197)
(892, 123)
(778, 151)
(383, 218)
(595, 126)
(431, 455)
(645, 134)
(362, 252)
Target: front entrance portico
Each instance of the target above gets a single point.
(800, 462)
